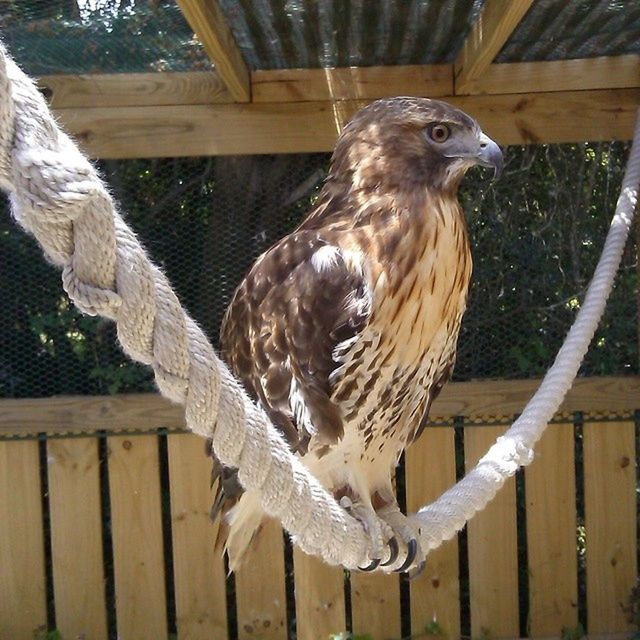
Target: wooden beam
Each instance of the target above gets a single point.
(133, 89)
(496, 23)
(86, 414)
(332, 85)
(615, 72)
(208, 23)
(508, 397)
(303, 127)
(147, 411)
(351, 83)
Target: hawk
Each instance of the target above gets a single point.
(345, 330)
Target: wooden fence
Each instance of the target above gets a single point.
(104, 529)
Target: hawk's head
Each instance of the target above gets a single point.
(403, 143)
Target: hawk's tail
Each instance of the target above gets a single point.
(240, 512)
(242, 524)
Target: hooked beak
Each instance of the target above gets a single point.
(490, 155)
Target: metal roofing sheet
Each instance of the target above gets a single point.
(559, 30)
(328, 33)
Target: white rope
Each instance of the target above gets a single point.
(57, 196)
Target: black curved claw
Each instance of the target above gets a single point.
(412, 551)
(394, 550)
(372, 567)
(417, 572)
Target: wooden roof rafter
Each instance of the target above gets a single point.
(312, 126)
(488, 35)
(210, 26)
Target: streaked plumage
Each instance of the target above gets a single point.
(346, 329)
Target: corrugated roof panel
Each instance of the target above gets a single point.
(324, 33)
(559, 30)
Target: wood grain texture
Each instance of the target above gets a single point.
(84, 414)
(508, 397)
(198, 569)
(260, 587)
(301, 127)
(551, 534)
(133, 89)
(320, 608)
(610, 521)
(208, 22)
(435, 594)
(495, 24)
(76, 538)
(134, 481)
(606, 72)
(351, 83)
(23, 606)
(375, 604)
(492, 544)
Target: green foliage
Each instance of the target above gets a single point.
(537, 234)
(572, 633)
(433, 629)
(110, 36)
(42, 634)
(632, 607)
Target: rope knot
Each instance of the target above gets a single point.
(56, 183)
(88, 298)
(507, 455)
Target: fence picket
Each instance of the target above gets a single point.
(610, 520)
(551, 534)
(320, 608)
(201, 605)
(261, 603)
(22, 577)
(375, 604)
(76, 537)
(435, 594)
(260, 587)
(134, 479)
(492, 544)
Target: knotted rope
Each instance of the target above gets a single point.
(57, 196)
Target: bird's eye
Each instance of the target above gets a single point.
(439, 132)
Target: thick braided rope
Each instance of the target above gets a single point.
(57, 196)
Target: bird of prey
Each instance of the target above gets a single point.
(345, 330)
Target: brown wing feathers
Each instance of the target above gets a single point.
(279, 336)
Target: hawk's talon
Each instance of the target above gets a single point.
(394, 550)
(372, 567)
(417, 572)
(412, 551)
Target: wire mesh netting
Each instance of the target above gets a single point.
(553, 30)
(537, 234)
(109, 36)
(100, 36)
